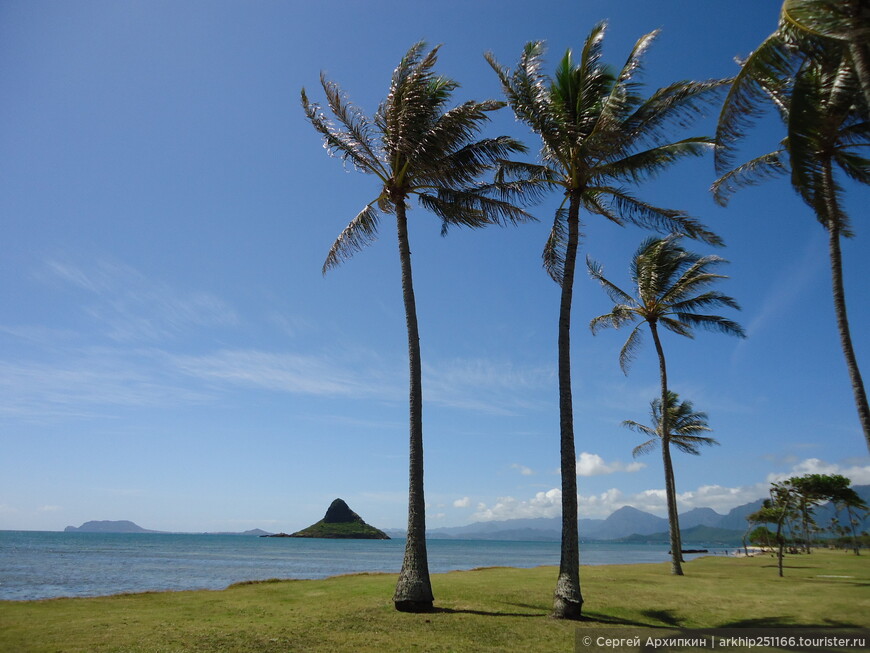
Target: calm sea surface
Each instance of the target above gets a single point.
(39, 565)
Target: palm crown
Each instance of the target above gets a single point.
(415, 147)
(670, 287)
(598, 132)
(685, 426)
(822, 112)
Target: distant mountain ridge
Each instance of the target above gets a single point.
(125, 526)
(699, 524)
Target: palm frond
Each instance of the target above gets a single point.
(337, 142)
(616, 294)
(463, 166)
(678, 105)
(641, 166)
(856, 167)
(620, 314)
(676, 326)
(624, 97)
(358, 127)
(630, 348)
(706, 300)
(750, 173)
(774, 59)
(622, 207)
(454, 130)
(645, 448)
(361, 232)
(554, 250)
(471, 208)
(712, 323)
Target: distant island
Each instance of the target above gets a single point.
(339, 522)
(106, 526)
(125, 526)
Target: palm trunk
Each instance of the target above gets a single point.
(839, 292)
(861, 61)
(568, 601)
(413, 591)
(780, 540)
(673, 518)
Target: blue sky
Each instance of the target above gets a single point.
(171, 354)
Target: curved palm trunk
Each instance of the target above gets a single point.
(670, 490)
(840, 303)
(568, 601)
(413, 591)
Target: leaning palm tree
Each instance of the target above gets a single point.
(414, 148)
(670, 290)
(598, 134)
(826, 127)
(685, 427)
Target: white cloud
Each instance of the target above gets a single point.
(720, 498)
(591, 464)
(522, 469)
(543, 504)
(857, 473)
(49, 508)
(464, 502)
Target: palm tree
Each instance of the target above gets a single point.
(826, 125)
(598, 134)
(685, 427)
(669, 285)
(414, 148)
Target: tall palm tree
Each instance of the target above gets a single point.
(669, 290)
(826, 125)
(598, 133)
(685, 427)
(415, 148)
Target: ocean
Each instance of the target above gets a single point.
(41, 565)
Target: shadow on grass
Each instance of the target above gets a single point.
(482, 613)
(597, 617)
(786, 622)
(665, 616)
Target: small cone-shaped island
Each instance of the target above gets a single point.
(340, 522)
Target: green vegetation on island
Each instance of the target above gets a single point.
(340, 522)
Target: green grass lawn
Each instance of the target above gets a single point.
(497, 609)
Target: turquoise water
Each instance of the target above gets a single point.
(39, 565)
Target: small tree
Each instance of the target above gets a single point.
(779, 509)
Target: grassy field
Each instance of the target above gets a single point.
(497, 609)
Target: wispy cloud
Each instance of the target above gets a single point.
(131, 307)
(84, 383)
(476, 385)
(485, 385)
(308, 374)
(522, 469)
(464, 502)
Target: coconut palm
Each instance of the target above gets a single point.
(826, 127)
(598, 135)
(669, 291)
(685, 427)
(414, 148)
